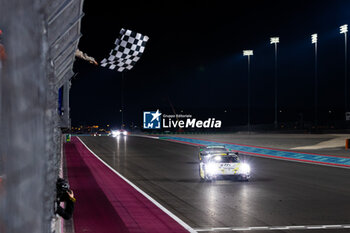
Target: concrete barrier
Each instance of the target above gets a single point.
(40, 38)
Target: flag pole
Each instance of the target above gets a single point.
(121, 58)
(122, 101)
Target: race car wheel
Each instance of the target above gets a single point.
(209, 178)
(244, 178)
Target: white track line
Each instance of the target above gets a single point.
(274, 228)
(178, 220)
(144, 136)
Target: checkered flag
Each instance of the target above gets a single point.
(128, 50)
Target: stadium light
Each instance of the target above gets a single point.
(248, 53)
(314, 38)
(344, 30)
(314, 41)
(275, 41)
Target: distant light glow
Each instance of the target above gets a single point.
(115, 133)
(217, 158)
(247, 52)
(343, 29)
(314, 38)
(274, 40)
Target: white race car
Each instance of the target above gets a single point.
(117, 133)
(223, 165)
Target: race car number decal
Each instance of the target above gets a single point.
(227, 165)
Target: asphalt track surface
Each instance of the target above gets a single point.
(280, 193)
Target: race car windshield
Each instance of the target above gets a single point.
(211, 150)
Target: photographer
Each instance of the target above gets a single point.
(64, 194)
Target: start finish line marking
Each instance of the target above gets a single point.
(272, 228)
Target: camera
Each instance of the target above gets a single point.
(62, 190)
(62, 187)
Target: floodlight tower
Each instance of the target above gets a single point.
(275, 41)
(344, 30)
(248, 53)
(314, 41)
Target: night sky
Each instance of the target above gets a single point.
(193, 60)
